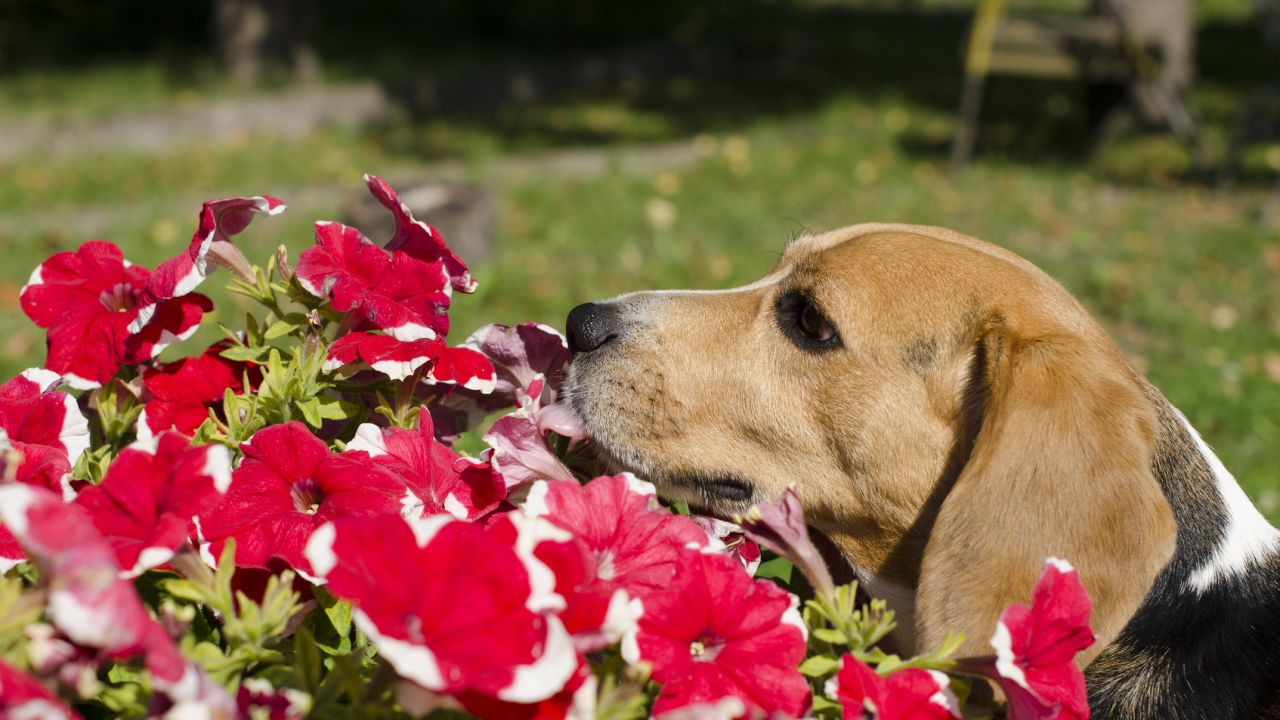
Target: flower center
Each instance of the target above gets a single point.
(605, 570)
(307, 496)
(120, 298)
(706, 648)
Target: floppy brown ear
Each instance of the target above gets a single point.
(1061, 467)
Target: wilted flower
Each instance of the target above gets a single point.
(144, 504)
(907, 694)
(211, 243)
(88, 301)
(715, 632)
(780, 527)
(450, 624)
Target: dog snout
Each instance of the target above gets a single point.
(591, 325)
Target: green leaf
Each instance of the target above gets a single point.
(310, 409)
(285, 326)
(831, 636)
(778, 568)
(819, 666)
(244, 353)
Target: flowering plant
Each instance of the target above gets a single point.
(281, 526)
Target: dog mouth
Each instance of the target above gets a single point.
(712, 488)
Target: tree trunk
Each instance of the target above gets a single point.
(253, 36)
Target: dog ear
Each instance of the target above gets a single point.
(1060, 467)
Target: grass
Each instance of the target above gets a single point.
(1184, 276)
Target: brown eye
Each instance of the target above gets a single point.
(813, 324)
(804, 323)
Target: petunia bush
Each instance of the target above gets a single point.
(284, 524)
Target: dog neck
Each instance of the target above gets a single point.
(1203, 642)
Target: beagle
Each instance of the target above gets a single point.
(951, 416)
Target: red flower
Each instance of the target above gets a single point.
(180, 394)
(22, 697)
(288, 485)
(88, 299)
(88, 602)
(211, 243)
(908, 694)
(735, 542)
(145, 503)
(399, 359)
(451, 624)
(1036, 648)
(419, 239)
(715, 632)
(440, 480)
(402, 295)
(577, 701)
(44, 426)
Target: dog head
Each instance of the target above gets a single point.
(949, 414)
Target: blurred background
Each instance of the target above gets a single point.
(575, 149)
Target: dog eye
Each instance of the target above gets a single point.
(804, 323)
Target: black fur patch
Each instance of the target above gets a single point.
(1186, 654)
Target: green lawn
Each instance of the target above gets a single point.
(1186, 277)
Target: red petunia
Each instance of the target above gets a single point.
(404, 296)
(908, 694)
(288, 484)
(145, 503)
(418, 239)
(451, 624)
(180, 394)
(21, 696)
(87, 300)
(1036, 648)
(44, 426)
(211, 244)
(440, 480)
(87, 600)
(734, 540)
(714, 633)
(400, 359)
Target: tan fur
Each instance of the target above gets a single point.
(975, 421)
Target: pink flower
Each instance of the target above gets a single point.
(471, 609)
(521, 355)
(417, 238)
(219, 220)
(780, 527)
(288, 484)
(22, 697)
(180, 394)
(908, 694)
(258, 699)
(145, 503)
(1036, 648)
(44, 426)
(88, 299)
(438, 479)
(400, 359)
(520, 451)
(88, 602)
(715, 632)
(402, 295)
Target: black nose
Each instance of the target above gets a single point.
(590, 326)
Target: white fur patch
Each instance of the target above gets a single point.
(1248, 537)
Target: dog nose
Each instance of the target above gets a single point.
(590, 326)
